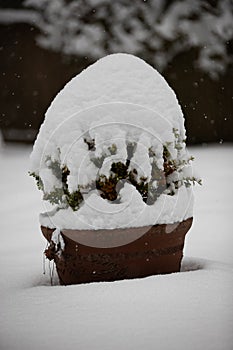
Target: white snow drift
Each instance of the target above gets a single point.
(120, 100)
(188, 310)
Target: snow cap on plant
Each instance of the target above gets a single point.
(113, 142)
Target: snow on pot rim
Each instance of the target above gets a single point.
(117, 102)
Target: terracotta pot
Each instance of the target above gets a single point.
(157, 251)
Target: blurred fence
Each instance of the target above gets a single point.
(32, 74)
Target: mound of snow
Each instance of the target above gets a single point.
(117, 102)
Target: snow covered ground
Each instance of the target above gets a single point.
(188, 310)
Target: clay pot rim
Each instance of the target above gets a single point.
(110, 238)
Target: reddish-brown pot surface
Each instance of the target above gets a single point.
(158, 251)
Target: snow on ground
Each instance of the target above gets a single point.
(188, 310)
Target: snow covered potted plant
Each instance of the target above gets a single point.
(112, 163)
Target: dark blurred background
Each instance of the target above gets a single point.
(44, 43)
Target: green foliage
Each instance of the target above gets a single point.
(98, 161)
(74, 199)
(65, 174)
(56, 169)
(161, 181)
(131, 147)
(60, 196)
(120, 170)
(90, 142)
(176, 166)
(39, 182)
(55, 196)
(112, 149)
(107, 187)
(188, 181)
